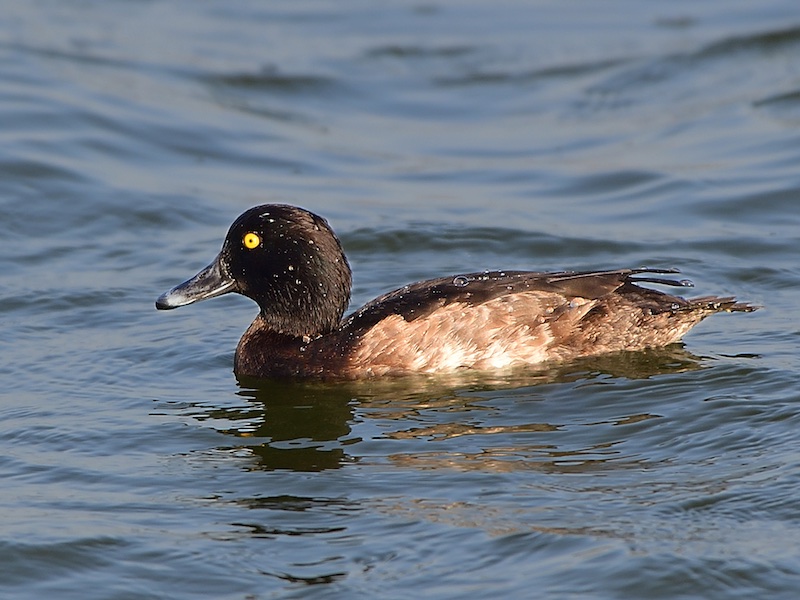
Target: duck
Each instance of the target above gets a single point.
(291, 263)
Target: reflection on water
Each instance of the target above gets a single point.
(308, 427)
(495, 521)
(546, 459)
(453, 430)
(304, 428)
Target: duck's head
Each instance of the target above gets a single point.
(286, 259)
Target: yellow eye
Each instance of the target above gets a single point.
(251, 240)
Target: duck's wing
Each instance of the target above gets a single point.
(596, 284)
(420, 299)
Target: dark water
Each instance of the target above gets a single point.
(437, 137)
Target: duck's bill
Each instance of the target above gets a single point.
(210, 282)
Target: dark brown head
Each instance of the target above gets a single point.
(286, 259)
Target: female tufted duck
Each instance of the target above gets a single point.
(291, 263)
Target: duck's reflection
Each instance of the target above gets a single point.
(304, 428)
(309, 426)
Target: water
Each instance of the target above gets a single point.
(437, 138)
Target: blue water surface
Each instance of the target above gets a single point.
(437, 138)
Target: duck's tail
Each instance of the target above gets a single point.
(720, 304)
(708, 304)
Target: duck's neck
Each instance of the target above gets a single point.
(264, 353)
(308, 303)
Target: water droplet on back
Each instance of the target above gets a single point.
(460, 281)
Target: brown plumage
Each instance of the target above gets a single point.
(298, 274)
